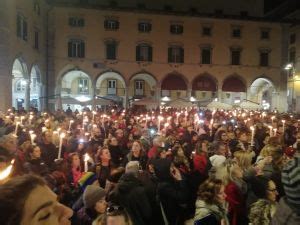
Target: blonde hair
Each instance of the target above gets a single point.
(226, 171)
(243, 159)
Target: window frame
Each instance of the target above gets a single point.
(142, 83)
(79, 46)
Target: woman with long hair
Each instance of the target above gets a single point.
(211, 204)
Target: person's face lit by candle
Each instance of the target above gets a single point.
(75, 161)
(136, 149)
(36, 153)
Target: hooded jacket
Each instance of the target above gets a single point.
(131, 194)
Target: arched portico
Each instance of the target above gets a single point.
(75, 88)
(204, 87)
(233, 90)
(142, 85)
(262, 90)
(112, 85)
(35, 87)
(20, 84)
(174, 86)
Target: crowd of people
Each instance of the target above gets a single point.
(149, 167)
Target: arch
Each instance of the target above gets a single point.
(35, 87)
(259, 83)
(204, 82)
(262, 90)
(110, 75)
(174, 81)
(234, 84)
(144, 75)
(20, 84)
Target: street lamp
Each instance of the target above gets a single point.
(290, 67)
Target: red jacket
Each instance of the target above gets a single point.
(200, 163)
(237, 204)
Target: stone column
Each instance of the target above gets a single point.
(27, 95)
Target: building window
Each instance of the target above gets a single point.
(206, 31)
(33, 84)
(37, 8)
(144, 53)
(111, 87)
(111, 24)
(292, 38)
(176, 54)
(176, 29)
(20, 86)
(36, 39)
(265, 34)
(76, 22)
(165, 93)
(21, 27)
(236, 32)
(264, 58)
(292, 56)
(206, 55)
(144, 27)
(139, 87)
(76, 48)
(235, 56)
(111, 50)
(83, 86)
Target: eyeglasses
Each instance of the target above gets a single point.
(272, 190)
(114, 208)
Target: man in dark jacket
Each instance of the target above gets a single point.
(172, 191)
(131, 194)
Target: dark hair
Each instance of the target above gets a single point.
(209, 190)
(259, 185)
(13, 197)
(117, 211)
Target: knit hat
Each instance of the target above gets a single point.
(92, 194)
(291, 181)
(132, 167)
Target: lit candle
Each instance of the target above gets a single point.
(159, 120)
(211, 126)
(16, 129)
(22, 118)
(86, 159)
(272, 118)
(7, 171)
(271, 129)
(94, 113)
(71, 121)
(275, 131)
(177, 116)
(283, 125)
(30, 119)
(32, 136)
(61, 137)
(252, 135)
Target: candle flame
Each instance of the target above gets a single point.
(7, 171)
(86, 157)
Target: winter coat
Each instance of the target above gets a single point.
(131, 194)
(285, 215)
(36, 166)
(209, 214)
(49, 154)
(261, 212)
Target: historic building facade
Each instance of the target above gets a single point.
(87, 51)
